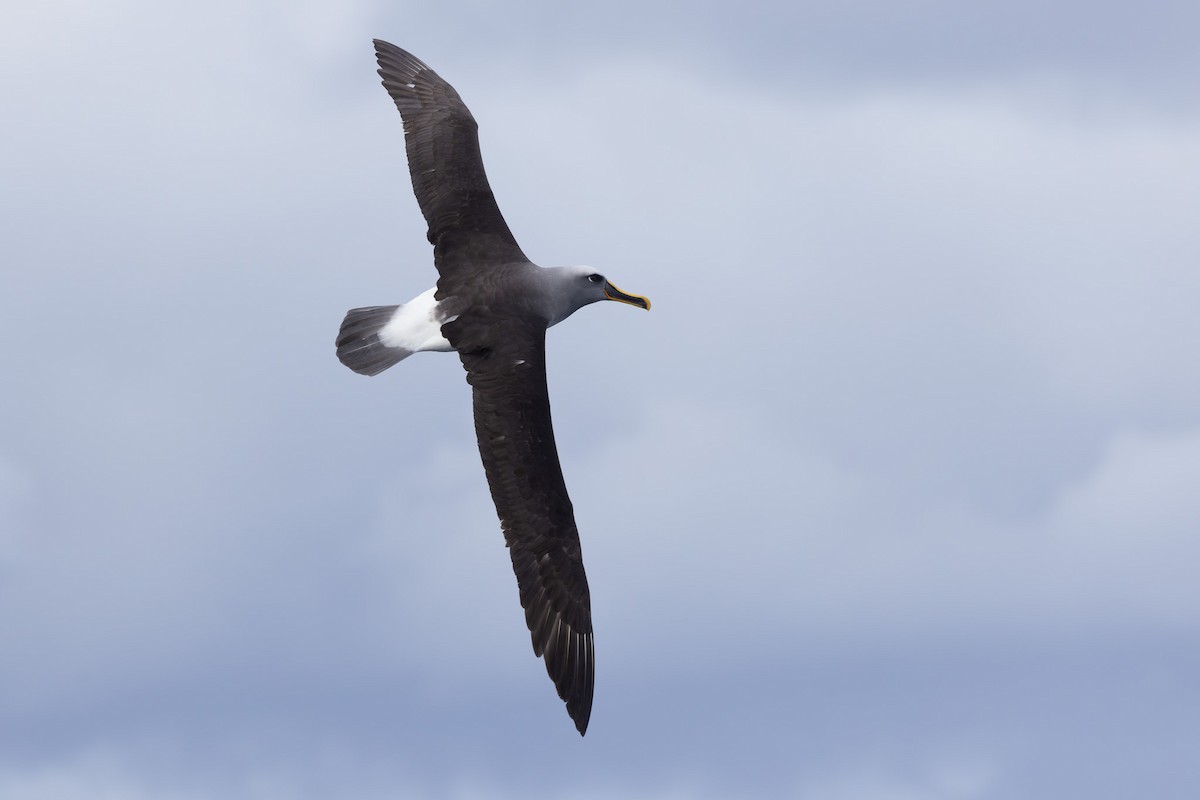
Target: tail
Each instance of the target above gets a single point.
(358, 344)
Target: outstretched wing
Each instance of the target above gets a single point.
(506, 367)
(442, 140)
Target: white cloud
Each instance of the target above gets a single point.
(946, 780)
(1126, 534)
(88, 777)
(701, 520)
(918, 366)
(900, 308)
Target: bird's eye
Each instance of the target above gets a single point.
(595, 277)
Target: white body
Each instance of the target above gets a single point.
(416, 326)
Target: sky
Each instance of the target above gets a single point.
(892, 495)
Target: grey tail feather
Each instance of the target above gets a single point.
(358, 344)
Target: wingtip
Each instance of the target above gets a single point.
(579, 709)
(568, 656)
(581, 719)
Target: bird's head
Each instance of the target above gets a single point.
(585, 285)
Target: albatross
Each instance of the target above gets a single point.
(492, 306)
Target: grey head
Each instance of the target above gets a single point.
(565, 290)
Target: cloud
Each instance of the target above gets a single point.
(915, 389)
(948, 780)
(92, 777)
(842, 566)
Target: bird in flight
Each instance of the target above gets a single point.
(492, 306)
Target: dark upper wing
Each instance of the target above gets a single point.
(506, 367)
(441, 137)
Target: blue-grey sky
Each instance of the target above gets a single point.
(892, 496)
